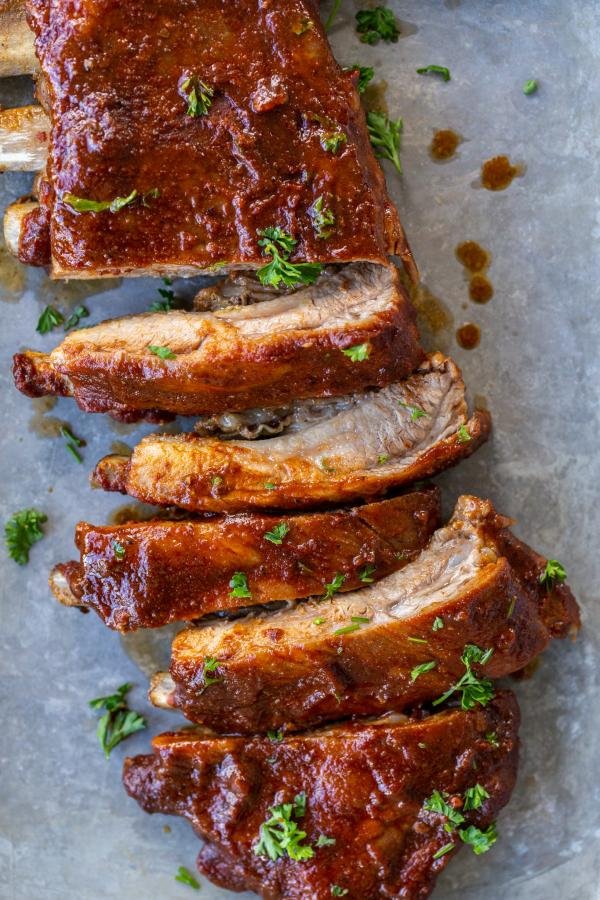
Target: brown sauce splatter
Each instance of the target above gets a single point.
(374, 97)
(131, 512)
(498, 173)
(12, 277)
(121, 448)
(480, 401)
(41, 424)
(468, 336)
(434, 318)
(481, 289)
(443, 145)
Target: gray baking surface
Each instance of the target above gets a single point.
(67, 829)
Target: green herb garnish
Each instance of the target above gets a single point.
(82, 204)
(554, 573)
(269, 486)
(118, 550)
(185, 877)
(377, 24)
(49, 319)
(162, 352)
(335, 8)
(443, 850)
(474, 797)
(366, 576)
(318, 621)
(334, 586)
(463, 435)
(492, 738)
(358, 353)
(337, 891)
(416, 412)
(21, 532)
(422, 668)
(73, 442)
(277, 533)
(479, 841)
(332, 140)
(365, 75)
(280, 834)
(473, 690)
(322, 218)
(239, 585)
(118, 722)
(198, 96)
(385, 135)
(168, 296)
(530, 87)
(437, 624)
(435, 70)
(277, 243)
(210, 665)
(79, 313)
(275, 736)
(324, 841)
(382, 459)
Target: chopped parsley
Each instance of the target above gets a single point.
(49, 319)
(473, 690)
(365, 75)
(73, 442)
(492, 738)
(382, 459)
(280, 836)
(22, 531)
(334, 586)
(324, 841)
(337, 891)
(530, 87)
(366, 576)
(437, 624)
(416, 412)
(210, 665)
(358, 353)
(275, 242)
(79, 313)
(118, 722)
(554, 573)
(442, 71)
(422, 668)
(277, 533)
(318, 621)
(215, 481)
(335, 8)
(118, 550)
(332, 139)
(269, 486)
(162, 352)
(239, 585)
(377, 24)
(185, 877)
(303, 25)
(198, 96)
(443, 850)
(168, 296)
(385, 135)
(479, 841)
(322, 218)
(437, 804)
(463, 435)
(275, 736)
(511, 607)
(417, 640)
(82, 204)
(474, 797)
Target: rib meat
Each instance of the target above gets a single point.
(365, 787)
(281, 130)
(282, 669)
(262, 354)
(359, 447)
(172, 571)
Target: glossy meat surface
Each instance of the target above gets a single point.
(173, 571)
(359, 447)
(263, 354)
(259, 154)
(282, 669)
(365, 785)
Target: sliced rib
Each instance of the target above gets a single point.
(357, 447)
(164, 571)
(282, 130)
(365, 787)
(24, 136)
(263, 354)
(281, 669)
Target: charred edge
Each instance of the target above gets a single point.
(35, 376)
(111, 474)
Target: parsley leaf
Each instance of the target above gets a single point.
(462, 435)
(382, 459)
(334, 586)
(530, 87)
(416, 412)
(422, 668)
(210, 665)
(366, 576)
(277, 533)
(275, 736)
(438, 804)
(332, 139)
(73, 442)
(554, 573)
(443, 850)
(337, 891)
(82, 204)
(358, 353)
(335, 8)
(168, 296)
(479, 841)
(118, 550)
(198, 95)
(324, 841)
(318, 621)
(21, 532)
(49, 319)
(280, 834)
(437, 624)
(323, 218)
(435, 70)
(118, 722)
(474, 797)
(385, 135)
(377, 24)
(239, 585)
(492, 738)
(162, 352)
(79, 313)
(473, 690)
(365, 75)
(277, 243)
(185, 877)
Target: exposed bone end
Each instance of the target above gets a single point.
(17, 52)
(35, 376)
(13, 220)
(61, 584)
(24, 136)
(111, 473)
(161, 688)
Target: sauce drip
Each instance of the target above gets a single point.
(481, 289)
(476, 260)
(443, 145)
(468, 336)
(498, 173)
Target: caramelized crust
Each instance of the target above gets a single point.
(281, 669)
(264, 354)
(173, 571)
(365, 785)
(259, 157)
